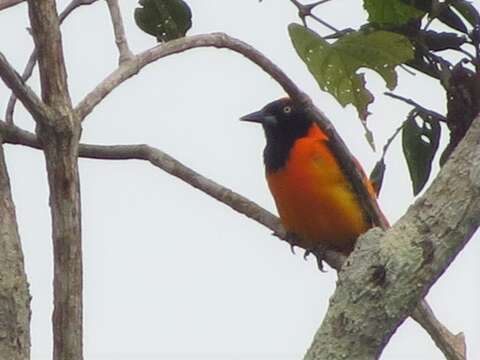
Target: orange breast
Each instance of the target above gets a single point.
(313, 197)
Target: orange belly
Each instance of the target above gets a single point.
(314, 199)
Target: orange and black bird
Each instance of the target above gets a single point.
(314, 199)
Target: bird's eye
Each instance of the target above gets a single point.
(287, 109)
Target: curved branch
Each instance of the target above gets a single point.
(221, 40)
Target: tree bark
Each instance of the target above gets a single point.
(14, 294)
(390, 272)
(60, 136)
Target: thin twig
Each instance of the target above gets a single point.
(431, 113)
(390, 140)
(120, 38)
(27, 72)
(32, 60)
(305, 11)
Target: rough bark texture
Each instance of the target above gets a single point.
(14, 295)
(389, 273)
(59, 138)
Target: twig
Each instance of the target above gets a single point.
(32, 60)
(431, 113)
(40, 112)
(120, 38)
(4, 4)
(305, 11)
(390, 140)
(27, 72)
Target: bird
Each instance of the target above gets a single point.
(315, 201)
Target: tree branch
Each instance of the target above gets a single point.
(120, 38)
(32, 60)
(14, 135)
(220, 40)
(388, 273)
(4, 4)
(46, 35)
(39, 111)
(60, 141)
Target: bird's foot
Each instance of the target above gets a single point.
(291, 238)
(319, 252)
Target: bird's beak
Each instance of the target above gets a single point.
(260, 117)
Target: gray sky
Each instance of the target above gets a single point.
(169, 272)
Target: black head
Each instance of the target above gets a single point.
(284, 122)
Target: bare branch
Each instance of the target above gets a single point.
(74, 4)
(4, 4)
(431, 113)
(60, 146)
(27, 72)
(305, 11)
(454, 347)
(40, 112)
(220, 40)
(46, 35)
(15, 135)
(32, 60)
(120, 38)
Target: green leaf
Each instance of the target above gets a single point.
(164, 19)
(391, 12)
(420, 143)
(335, 65)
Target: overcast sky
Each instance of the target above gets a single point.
(169, 272)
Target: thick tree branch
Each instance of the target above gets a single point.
(39, 111)
(388, 273)
(449, 343)
(32, 60)
(60, 139)
(14, 294)
(46, 35)
(120, 38)
(4, 4)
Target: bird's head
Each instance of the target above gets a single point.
(281, 119)
(284, 122)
